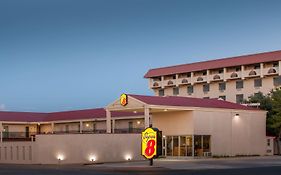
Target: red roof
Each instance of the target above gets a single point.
(215, 64)
(190, 102)
(56, 116)
(101, 113)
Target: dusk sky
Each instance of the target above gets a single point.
(58, 55)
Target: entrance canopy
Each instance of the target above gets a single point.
(155, 104)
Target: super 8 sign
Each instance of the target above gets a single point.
(151, 142)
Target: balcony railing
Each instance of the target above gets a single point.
(200, 79)
(155, 84)
(271, 71)
(233, 75)
(128, 130)
(18, 136)
(171, 82)
(183, 81)
(252, 73)
(216, 77)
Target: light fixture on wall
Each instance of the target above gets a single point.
(236, 117)
(134, 112)
(138, 122)
(87, 125)
(165, 110)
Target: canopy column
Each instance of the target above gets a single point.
(146, 117)
(1, 133)
(108, 121)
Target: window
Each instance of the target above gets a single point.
(205, 73)
(277, 81)
(275, 64)
(206, 88)
(258, 82)
(189, 89)
(176, 91)
(206, 97)
(222, 86)
(161, 92)
(239, 98)
(223, 97)
(188, 74)
(239, 84)
(258, 66)
(174, 76)
(130, 127)
(220, 71)
(237, 69)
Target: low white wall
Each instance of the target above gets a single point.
(17, 152)
(80, 148)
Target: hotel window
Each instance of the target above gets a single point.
(238, 69)
(176, 90)
(277, 81)
(189, 89)
(220, 71)
(239, 84)
(206, 88)
(239, 98)
(222, 86)
(223, 97)
(258, 82)
(205, 73)
(161, 92)
(268, 142)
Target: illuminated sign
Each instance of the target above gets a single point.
(151, 145)
(124, 99)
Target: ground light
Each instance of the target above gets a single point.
(128, 157)
(60, 157)
(92, 158)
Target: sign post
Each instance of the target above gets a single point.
(151, 146)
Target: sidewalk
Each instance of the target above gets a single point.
(194, 164)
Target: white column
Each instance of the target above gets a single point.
(162, 82)
(81, 127)
(1, 133)
(224, 74)
(242, 72)
(208, 74)
(261, 69)
(113, 125)
(177, 80)
(146, 116)
(279, 67)
(108, 121)
(191, 78)
(53, 127)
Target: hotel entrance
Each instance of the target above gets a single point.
(187, 146)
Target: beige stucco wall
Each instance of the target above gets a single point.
(17, 152)
(230, 135)
(174, 123)
(78, 148)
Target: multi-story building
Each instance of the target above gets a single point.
(233, 79)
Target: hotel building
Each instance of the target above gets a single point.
(191, 127)
(233, 79)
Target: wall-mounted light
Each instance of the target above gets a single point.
(165, 110)
(138, 122)
(236, 116)
(134, 112)
(164, 136)
(87, 125)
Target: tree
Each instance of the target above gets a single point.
(272, 104)
(275, 121)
